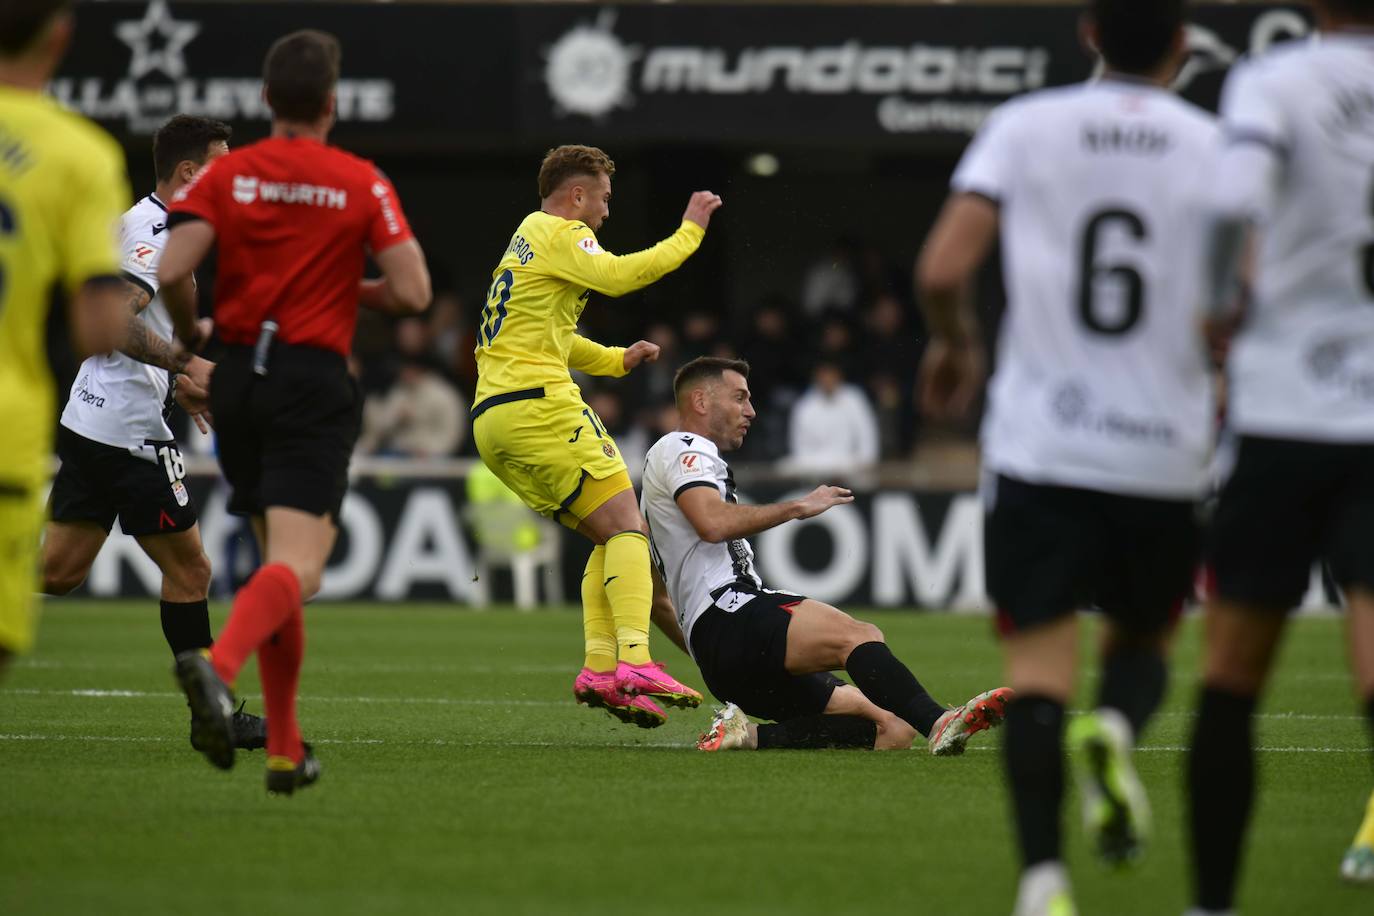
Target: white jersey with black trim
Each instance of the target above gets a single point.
(1101, 380)
(1299, 160)
(691, 567)
(117, 400)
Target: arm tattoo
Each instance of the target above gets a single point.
(143, 344)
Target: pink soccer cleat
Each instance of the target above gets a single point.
(599, 690)
(956, 726)
(652, 680)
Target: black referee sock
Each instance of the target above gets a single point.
(1133, 681)
(818, 732)
(1221, 783)
(186, 625)
(891, 685)
(1033, 744)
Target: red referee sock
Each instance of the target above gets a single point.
(261, 608)
(279, 666)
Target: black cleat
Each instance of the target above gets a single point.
(285, 782)
(212, 708)
(250, 731)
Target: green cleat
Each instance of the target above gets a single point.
(1358, 864)
(1116, 813)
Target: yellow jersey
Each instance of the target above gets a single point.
(63, 188)
(527, 337)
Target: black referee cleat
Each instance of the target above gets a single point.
(284, 779)
(250, 731)
(212, 708)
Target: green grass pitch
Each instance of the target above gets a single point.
(459, 777)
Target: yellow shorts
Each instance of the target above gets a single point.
(551, 450)
(21, 525)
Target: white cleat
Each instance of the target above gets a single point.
(953, 729)
(729, 731)
(1044, 891)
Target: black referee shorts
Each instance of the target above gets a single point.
(1053, 550)
(285, 439)
(1286, 505)
(742, 655)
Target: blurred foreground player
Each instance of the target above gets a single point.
(768, 653)
(1099, 423)
(62, 188)
(1298, 165)
(119, 457)
(294, 219)
(534, 431)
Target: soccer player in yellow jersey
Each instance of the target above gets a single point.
(62, 190)
(536, 434)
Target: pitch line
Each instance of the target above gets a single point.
(465, 701)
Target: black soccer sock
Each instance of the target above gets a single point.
(1221, 782)
(1133, 681)
(891, 685)
(1034, 748)
(818, 732)
(186, 625)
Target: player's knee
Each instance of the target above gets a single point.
(61, 580)
(865, 633)
(310, 582)
(196, 574)
(894, 733)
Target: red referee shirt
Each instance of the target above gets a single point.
(294, 219)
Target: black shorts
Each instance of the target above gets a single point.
(1052, 550)
(285, 438)
(1286, 505)
(98, 483)
(742, 654)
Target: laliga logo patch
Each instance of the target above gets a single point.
(690, 465)
(591, 246)
(141, 256)
(245, 189)
(588, 69)
(608, 449)
(179, 491)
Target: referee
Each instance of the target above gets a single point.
(293, 218)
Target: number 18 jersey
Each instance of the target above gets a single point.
(1101, 378)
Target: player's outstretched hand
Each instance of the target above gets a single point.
(951, 376)
(822, 498)
(640, 352)
(701, 206)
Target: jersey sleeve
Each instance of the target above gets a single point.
(96, 195)
(202, 198)
(987, 166)
(1248, 170)
(142, 249)
(688, 469)
(387, 225)
(576, 256)
(594, 359)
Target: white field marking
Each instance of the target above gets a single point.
(328, 667)
(426, 742)
(145, 694)
(469, 701)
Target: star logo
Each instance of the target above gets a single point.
(157, 41)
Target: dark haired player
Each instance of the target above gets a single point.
(534, 431)
(1298, 164)
(294, 219)
(1098, 430)
(119, 457)
(62, 188)
(767, 653)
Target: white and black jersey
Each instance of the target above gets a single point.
(1101, 381)
(1299, 159)
(691, 568)
(116, 400)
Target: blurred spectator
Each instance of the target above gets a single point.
(633, 440)
(833, 427)
(700, 335)
(452, 339)
(652, 383)
(775, 379)
(891, 352)
(835, 343)
(832, 282)
(422, 416)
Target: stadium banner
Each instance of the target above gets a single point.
(453, 75)
(405, 539)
